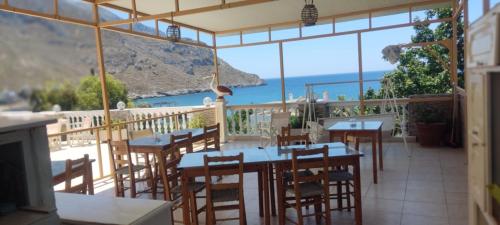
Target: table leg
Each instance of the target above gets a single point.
(374, 158)
(332, 133)
(185, 199)
(358, 214)
(260, 188)
(271, 189)
(265, 182)
(380, 150)
(90, 181)
(279, 186)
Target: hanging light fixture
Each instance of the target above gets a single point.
(173, 31)
(309, 14)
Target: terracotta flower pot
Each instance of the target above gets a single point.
(431, 134)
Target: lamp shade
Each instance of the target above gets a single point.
(309, 15)
(174, 32)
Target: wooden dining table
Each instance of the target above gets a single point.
(371, 129)
(260, 159)
(161, 142)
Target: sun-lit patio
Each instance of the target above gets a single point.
(391, 160)
(427, 188)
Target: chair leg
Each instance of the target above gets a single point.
(122, 186)
(133, 192)
(317, 209)
(348, 195)
(339, 195)
(243, 216)
(194, 207)
(300, 217)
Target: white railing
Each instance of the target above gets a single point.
(243, 120)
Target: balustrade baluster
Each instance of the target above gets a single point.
(248, 122)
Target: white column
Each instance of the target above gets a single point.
(221, 118)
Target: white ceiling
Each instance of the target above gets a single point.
(279, 11)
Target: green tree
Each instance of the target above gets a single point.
(420, 70)
(90, 95)
(60, 94)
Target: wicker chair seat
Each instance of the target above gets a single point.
(307, 190)
(125, 170)
(288, 175)
(227, 195)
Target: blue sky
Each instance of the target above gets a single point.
(320, 56)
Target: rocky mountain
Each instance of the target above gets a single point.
(35, 52)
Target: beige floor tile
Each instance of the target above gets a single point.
(420, 195)
(424, 209)
(409, 219)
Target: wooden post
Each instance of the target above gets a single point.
(454, 47)
(282, 74)
(99, 152)
(157, 28)
(360, 71)
(486, 6)
(56, 8)
(216, 60)
(102, 72)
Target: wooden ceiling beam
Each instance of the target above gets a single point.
(217, 7)
(139, 13)
(99, 2)
(406, 6)
(339, 34)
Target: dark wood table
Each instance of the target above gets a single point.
(260, 159)
(371, 129)
(161, 142)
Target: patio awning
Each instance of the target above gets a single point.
(233, 16)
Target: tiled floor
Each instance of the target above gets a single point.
(429, 188)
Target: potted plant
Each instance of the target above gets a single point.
(431, 124)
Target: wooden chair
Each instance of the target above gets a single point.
(182, 143)
(340, 178)
(123, 168)
(211, 137)
(172, 189)
(302, 139)
(78, 169)
(224, 192)
(307, 190)
(271, 129)
(135, 134)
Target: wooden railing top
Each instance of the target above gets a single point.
(96, 128)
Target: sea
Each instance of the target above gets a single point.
(295, 87)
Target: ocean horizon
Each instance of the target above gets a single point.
(271, 91)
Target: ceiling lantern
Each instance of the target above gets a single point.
(309, 14)
(173, 31)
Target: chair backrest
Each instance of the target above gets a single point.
(140, 134)
(301, 160)
(217, 170)
(293, 139)
(286, 130)
(182, 141)
(211, 136)
(120, 155)
(279, 120)
(171, 176)
(78, 168)
(315, 131)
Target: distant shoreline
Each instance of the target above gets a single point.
(190, 91)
